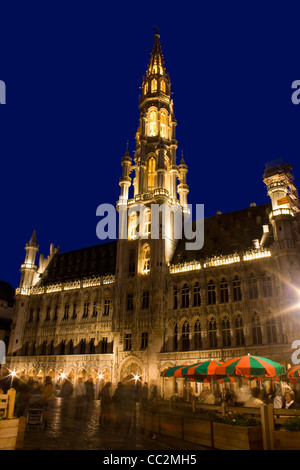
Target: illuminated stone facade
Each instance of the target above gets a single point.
(139, 305)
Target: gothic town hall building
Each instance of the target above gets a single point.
(138, 305)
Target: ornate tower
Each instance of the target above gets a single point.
(28, 268)
(148, 243)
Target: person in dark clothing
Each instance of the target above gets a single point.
(118, 399)
(106, 401)
(66, 393)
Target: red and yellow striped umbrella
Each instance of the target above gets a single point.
(201, 368)
(250, 366)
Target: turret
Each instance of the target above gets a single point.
(28, 269)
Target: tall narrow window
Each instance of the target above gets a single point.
(66, 311)
(131, 264)
(147, 223)
(94, 314)
(146, 260)
(163, 86)
(92, 346)
(185, 294)
(106, 307)
(175, 337)
(175, 298)
(185, 336)
(271, 329)
(237, 292)
(253, 287)
(267, 285)
(197, 335)
(132, 229)
(212, 333)
(224, 297)
(55, 313)
(256, 329)
(226, 336)
(71, 347)
(153, 85)
(128, 341)
(211, 292)
(151, 173)
(239, 331)
(153, 123)
(82, 346)
(48, 311)
(62, 347)
(144, 342)
(104, 345)
(44, 348)
(196, 295)
(74, 313)
(51, 349)
(130, 301)
(145, 300)
(146, 88)
(163, 125)
(86, 308)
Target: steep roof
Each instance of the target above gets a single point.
(228, 233)
(97, 260)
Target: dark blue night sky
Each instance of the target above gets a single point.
(73, 72)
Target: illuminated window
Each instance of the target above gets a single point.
(151, 173)
(153, 120)
(148, 222)
(226, 336)
(132, 229)
(163, 86)
(153, 85)
(239, 331)
(146, 260)
(146, 88)
(163, 125)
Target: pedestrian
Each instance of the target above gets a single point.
(254, 400)
(106, 402)
(66, 393)
(118, 398)
(144, 396)
(89, 392)
(278, 398)
(289, 401)
(80, 395)
(48, 397)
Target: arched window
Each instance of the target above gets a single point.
(153, 122)
(267, 285)
(256, 329)
(147, 222)
(226, 336)
(175, 297)
(153, 85)
(163, 125)
(197, 335)
(151, 173)
(196, 295)
(239, 331)
(271, 329)
(185, 336)
(212, 333)
(236, 287)
(146, 260)
(211, 292)
(224, 297)
(185, 296)
(132, 228)
(163, 86)
(253, 287)
(71, 347)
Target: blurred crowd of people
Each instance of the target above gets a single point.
(282, 396)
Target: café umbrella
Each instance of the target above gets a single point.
(206, 368)
(250, 366)
(173, 371)
(292, 374)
